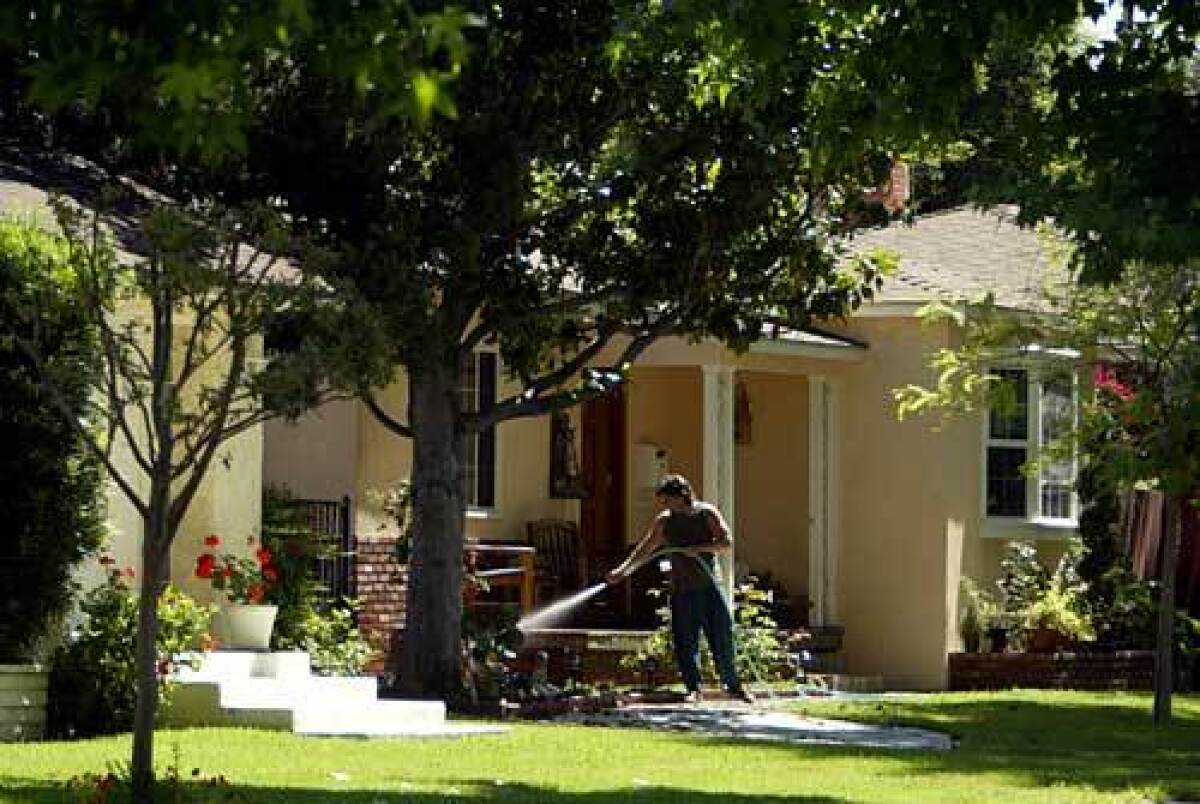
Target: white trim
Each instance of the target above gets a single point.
(1032, 523)
(823, 500)
(719, 466)
(893, 308)
(493, 512)
(844, 352)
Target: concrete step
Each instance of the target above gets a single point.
(377, 718)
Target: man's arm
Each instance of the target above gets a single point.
(719, 529)
(644, 549)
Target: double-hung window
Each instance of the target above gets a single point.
(1031, 425)
(478, 390)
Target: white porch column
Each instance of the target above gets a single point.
(719, 466)
(823, 499)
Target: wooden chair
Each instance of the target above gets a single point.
(560, 560)
(520, 577)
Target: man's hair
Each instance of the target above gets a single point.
(674, 486)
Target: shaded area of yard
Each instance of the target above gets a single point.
(1035, 747)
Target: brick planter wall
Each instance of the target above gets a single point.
(380, 585)
(1123, 670)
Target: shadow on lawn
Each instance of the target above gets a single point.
(23, 791)
(1085, 744)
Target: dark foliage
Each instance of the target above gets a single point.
(53, 491)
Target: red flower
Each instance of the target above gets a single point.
(255, 593)
(212, 540)
(205, 565)
(1105, 379)
(227, 570)
(270, 573)
(264, 556)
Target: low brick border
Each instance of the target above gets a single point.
(1121, 670)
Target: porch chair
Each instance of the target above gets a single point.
(519, 573)
(561, 563)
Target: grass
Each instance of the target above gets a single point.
(1026, 746)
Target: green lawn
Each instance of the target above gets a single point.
(1046, 747)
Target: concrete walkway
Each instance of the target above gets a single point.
(741, 722)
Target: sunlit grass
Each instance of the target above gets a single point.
(1037, 747)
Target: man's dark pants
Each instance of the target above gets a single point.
(696, 610)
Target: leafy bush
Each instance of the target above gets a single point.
(93, 675)
(1060, 609)
(1023, 579)
(53, 487)
(307, 620)
(759, 650)
(331, 638)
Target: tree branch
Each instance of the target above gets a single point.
(382, 416)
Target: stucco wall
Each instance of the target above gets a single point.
(908, 493)
(314, 457)
(665, 405)
(772, 480)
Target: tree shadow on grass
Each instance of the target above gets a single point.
(1084, 745)
(24, 791)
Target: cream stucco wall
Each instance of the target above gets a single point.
(315, 456)
(908, 497)
(664, 410)
(772, 480)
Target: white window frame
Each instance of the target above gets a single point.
(471, 480)
(1034, 522)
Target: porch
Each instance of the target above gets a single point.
(757, 442)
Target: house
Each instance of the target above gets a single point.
(869, 521)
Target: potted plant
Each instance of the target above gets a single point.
(1054, 619)
(245, 582)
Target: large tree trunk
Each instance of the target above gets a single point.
(146, 650)
(1164, 654)
(431, 652)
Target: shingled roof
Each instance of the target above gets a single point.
(962, 254)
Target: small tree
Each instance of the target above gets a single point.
(179, 330)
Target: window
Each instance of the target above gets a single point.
(1031, 421)
(478, 390)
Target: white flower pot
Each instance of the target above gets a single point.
(247, 626)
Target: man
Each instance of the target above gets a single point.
(692, 533)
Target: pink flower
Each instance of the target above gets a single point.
(1105, 379)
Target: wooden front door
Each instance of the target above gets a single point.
(602, 514)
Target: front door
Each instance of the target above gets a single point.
(602, 514)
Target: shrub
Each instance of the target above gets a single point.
(331, 638)
(1060, 609)
(760, 653)
(977, 611)
(53, 488)
(93, 675)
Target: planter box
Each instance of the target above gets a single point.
(22, 702)
(1121, 670)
